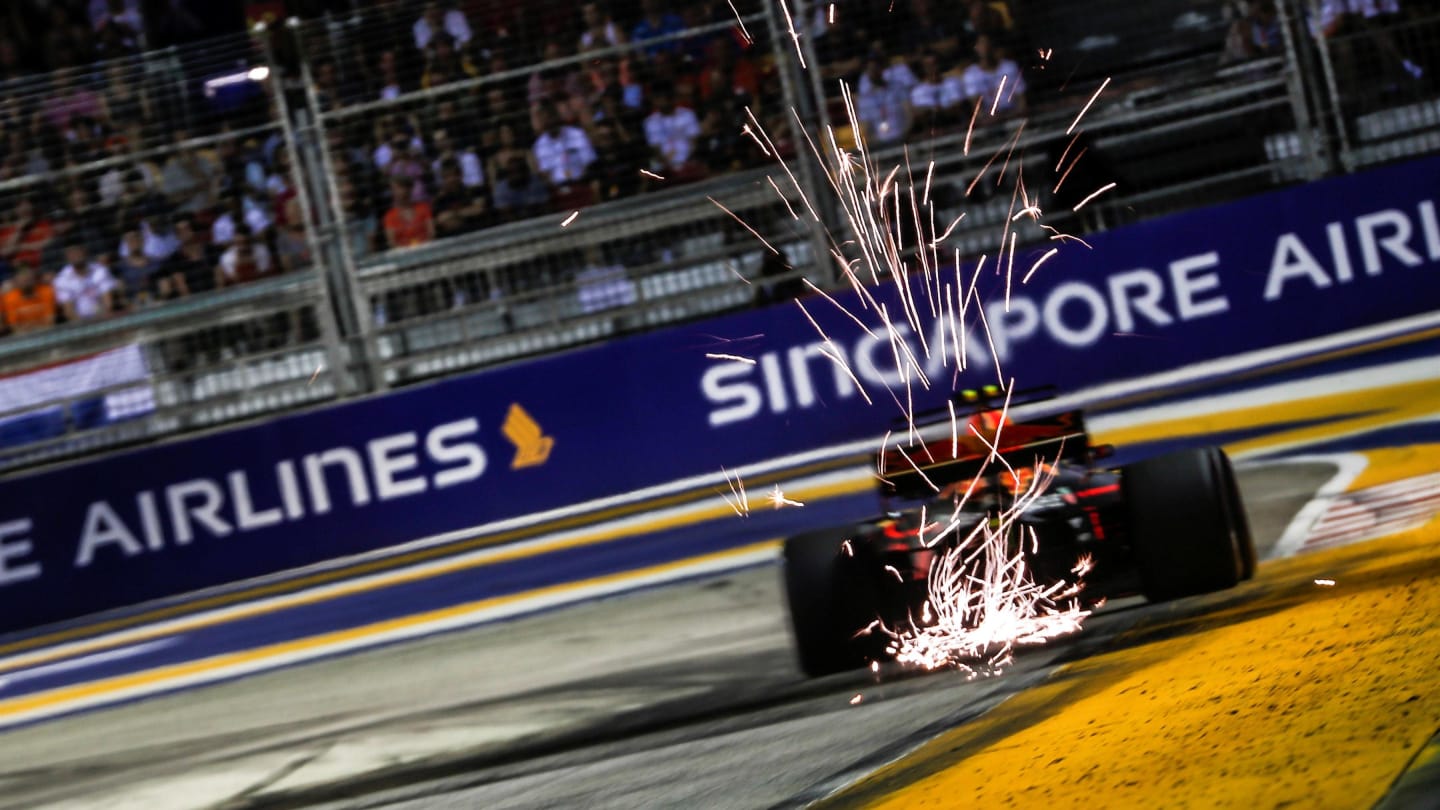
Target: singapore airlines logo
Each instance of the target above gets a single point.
(532, 446)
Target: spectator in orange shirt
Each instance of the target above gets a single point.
(25, 236)
(29, 304)
(407, 223)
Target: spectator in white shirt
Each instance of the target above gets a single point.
(434, 20)
(245, 261)
(158, 239)
(240, 211)
(994, 74)
(472, 171)
(897, 74)
(599, 30)
(671, 130)
(562, 152)
(934, 99)
(882, 108)
(83, 288)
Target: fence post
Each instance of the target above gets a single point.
(1307, 101)
(808, 107)
(356, 319)
(345, 382)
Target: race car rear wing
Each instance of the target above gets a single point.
(968, 444)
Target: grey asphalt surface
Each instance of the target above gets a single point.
(681, 696)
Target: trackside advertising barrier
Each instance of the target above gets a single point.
(1275, 269)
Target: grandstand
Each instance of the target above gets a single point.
(330, 207)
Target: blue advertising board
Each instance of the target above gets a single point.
(1274, 269)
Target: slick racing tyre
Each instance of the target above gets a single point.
(1187, 524)
(831, 600)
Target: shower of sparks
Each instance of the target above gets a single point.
(1086, 108)
(831, 16)
(983, 601)
(573, 216)
(651, 174)
(749, 361)
(778, 499)
(1096, 193)
(854, 701)
(1325, 583)
(316, 375)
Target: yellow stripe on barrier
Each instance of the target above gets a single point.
(1285, 693)
(408, 558)
(157, 679)
(1351, 411)
(399, 577)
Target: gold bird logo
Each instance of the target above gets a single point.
(532, 446)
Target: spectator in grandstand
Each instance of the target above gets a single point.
(924, 30)
(435, 20)
(458, 208)
(507, 148)
(619, 158)
(671, 130)
(1254, 31)
(407, 223)
(119, 27)
(994, 75)
(987, 17)
(718, 149)
(191, 177)
(459, 123)
(388, 82)
(598, 28)
(160, 241)
(444, 64)
(934, 100)
(79, 219)
(245, 261)
(657, 21)
(607, 73)
(28, 302)
(896, 70)
(327, 84)
(191, 269)
(397, 138)
(84, 289)
(240, 212)
(519, 191)
(138, 274)
(24, 238)
(728, 75)
(563, 153)
(559, 85)
(882, 109)
(472, 169)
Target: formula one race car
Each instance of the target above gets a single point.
(1163, 528)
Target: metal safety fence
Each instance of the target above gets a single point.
(336, 206)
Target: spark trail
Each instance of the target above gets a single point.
(983, 600)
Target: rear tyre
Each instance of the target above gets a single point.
(830, 602)
(1186, 524)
